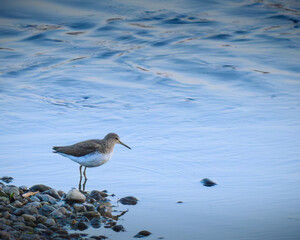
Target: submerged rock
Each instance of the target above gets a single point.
(75, 196)
(143, 233)
(207, 182)
(130, 200)
(118, 228)
(6, 179)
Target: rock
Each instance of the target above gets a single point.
(130, 200)
(53, 193)
(35, 204)
(23, 188)
(91, 214)
(207, 182)
(30, 209)
(57, 214)
(89, 207)
(18, 212)
(42, 226)
(17, 204)
(6, 179)
(39, 187)
(179, 201)
(118, 228)
(79, 207)
(12, 190)
(28, 217)
(96, 223)
(49, 222)
(61, 193)
(143, 233)
(75, 196)
(46, 198)
(5, 235)
(27, 236)
(47, 208)
(35, 199)
(100, 237)
(98, 195)
(81, 225)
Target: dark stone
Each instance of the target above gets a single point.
(53, 193)
(6, 179)
(207, 182)
(100, 237)
(18, 212)
(39, 187)
(30, 209)
(81, 225)
(130, 200)
(26, 236)
(47, 208)
(143, 233)
(96, 223)
(46, 198)
(5, 235)
(97, 195)
(89, 207)
(91, 214)
(61, 193)
(118, 228)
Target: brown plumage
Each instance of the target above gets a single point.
(90, 153)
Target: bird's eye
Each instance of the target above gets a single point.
(116, 138)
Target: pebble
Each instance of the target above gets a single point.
(53, 193)
(12, 190)
(47, 208)
(46, 198)
(91, 214)
(130, 200)
(75, 196)
(89, 207)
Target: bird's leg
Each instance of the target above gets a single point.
(79, 187)
(80, 171)
(84, 173)
(83, 186)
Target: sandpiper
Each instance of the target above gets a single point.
(90, 153)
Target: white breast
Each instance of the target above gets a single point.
(90, 160)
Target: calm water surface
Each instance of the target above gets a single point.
(196, 88)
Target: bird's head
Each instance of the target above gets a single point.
(115, 138)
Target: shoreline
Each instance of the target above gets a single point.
(41, 212)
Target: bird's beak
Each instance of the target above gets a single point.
(124, 144)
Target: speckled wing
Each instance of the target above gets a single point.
(79, 149)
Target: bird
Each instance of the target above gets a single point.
(90, 153)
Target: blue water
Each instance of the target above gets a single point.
(198, 89)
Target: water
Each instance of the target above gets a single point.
(198, 89)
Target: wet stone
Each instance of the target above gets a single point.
(57, 214)
(28, 217)
(18, 212)
(100, 237)
(30, 209)
(130, 200)
(23, 188)
(89, 207)
(39, 187)
(6, 179)
(47, 208)
(47, 198)
(53, 193)
(97, 195)
(207, 182)
(27, 236)
(118, 228)
(61, 193)
(81, 225)
(50, 222)
(35, 199)
(96, 223)
(143, 233)
(79, 207)
(91, 214)
(12, 190)
(75, 196)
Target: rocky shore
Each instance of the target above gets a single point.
(41, 212)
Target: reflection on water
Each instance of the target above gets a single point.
(198, 89)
